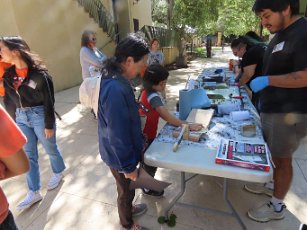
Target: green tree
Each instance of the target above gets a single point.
(236, 17)
(205, 17)
(195, 14)
(192, 15)
(159, 13)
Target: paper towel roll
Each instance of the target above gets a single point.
(239, 115)
(192, 99)
(227, 108)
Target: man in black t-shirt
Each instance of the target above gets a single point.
(283, 97)
(251, 63)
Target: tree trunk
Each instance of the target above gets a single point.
(170, 6)
(182, 60)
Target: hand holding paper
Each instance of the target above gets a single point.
(133, 175)
(144, 180)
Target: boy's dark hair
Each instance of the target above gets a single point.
(153, 75)
(276, 6)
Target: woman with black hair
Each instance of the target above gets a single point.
(29, 89)
(251, 62)
(253, 35)
(119, 124)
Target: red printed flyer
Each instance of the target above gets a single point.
(243, 154)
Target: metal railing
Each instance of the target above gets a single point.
(101, 15)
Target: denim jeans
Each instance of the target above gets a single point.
(8, 223)
(31, 121)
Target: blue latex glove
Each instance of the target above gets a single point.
(259, 83)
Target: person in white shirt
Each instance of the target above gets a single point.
(91, 58)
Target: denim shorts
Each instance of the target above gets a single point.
(283, 132)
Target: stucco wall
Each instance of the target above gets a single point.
(141, 10)
(123, 17)
(127, 10)
(52, 29)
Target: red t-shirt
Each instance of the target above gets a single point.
(21, 75)
(11, 140)
(152, 120)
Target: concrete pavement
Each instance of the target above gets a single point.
(86, 199)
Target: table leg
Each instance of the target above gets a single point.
(178, 196)
(234, 213)
(225, 196)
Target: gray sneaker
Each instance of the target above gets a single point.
(266, 212)
(259, 189)
(30, 199)
(138, 209)
(54, 181)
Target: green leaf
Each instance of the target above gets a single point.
(161, 219)
(171, 222)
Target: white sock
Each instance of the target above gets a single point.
(277, 203)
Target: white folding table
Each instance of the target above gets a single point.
(200, 160)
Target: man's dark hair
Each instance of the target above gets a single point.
(239, 42)
(277, 5)
(153, 75)
(247, 41)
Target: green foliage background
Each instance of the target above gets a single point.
(208, 16)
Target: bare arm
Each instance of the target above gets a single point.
(15, 164)
(165, 115)
(291, 80)
(248, 72)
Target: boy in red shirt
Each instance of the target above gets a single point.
(13, 162)
(154, 82)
